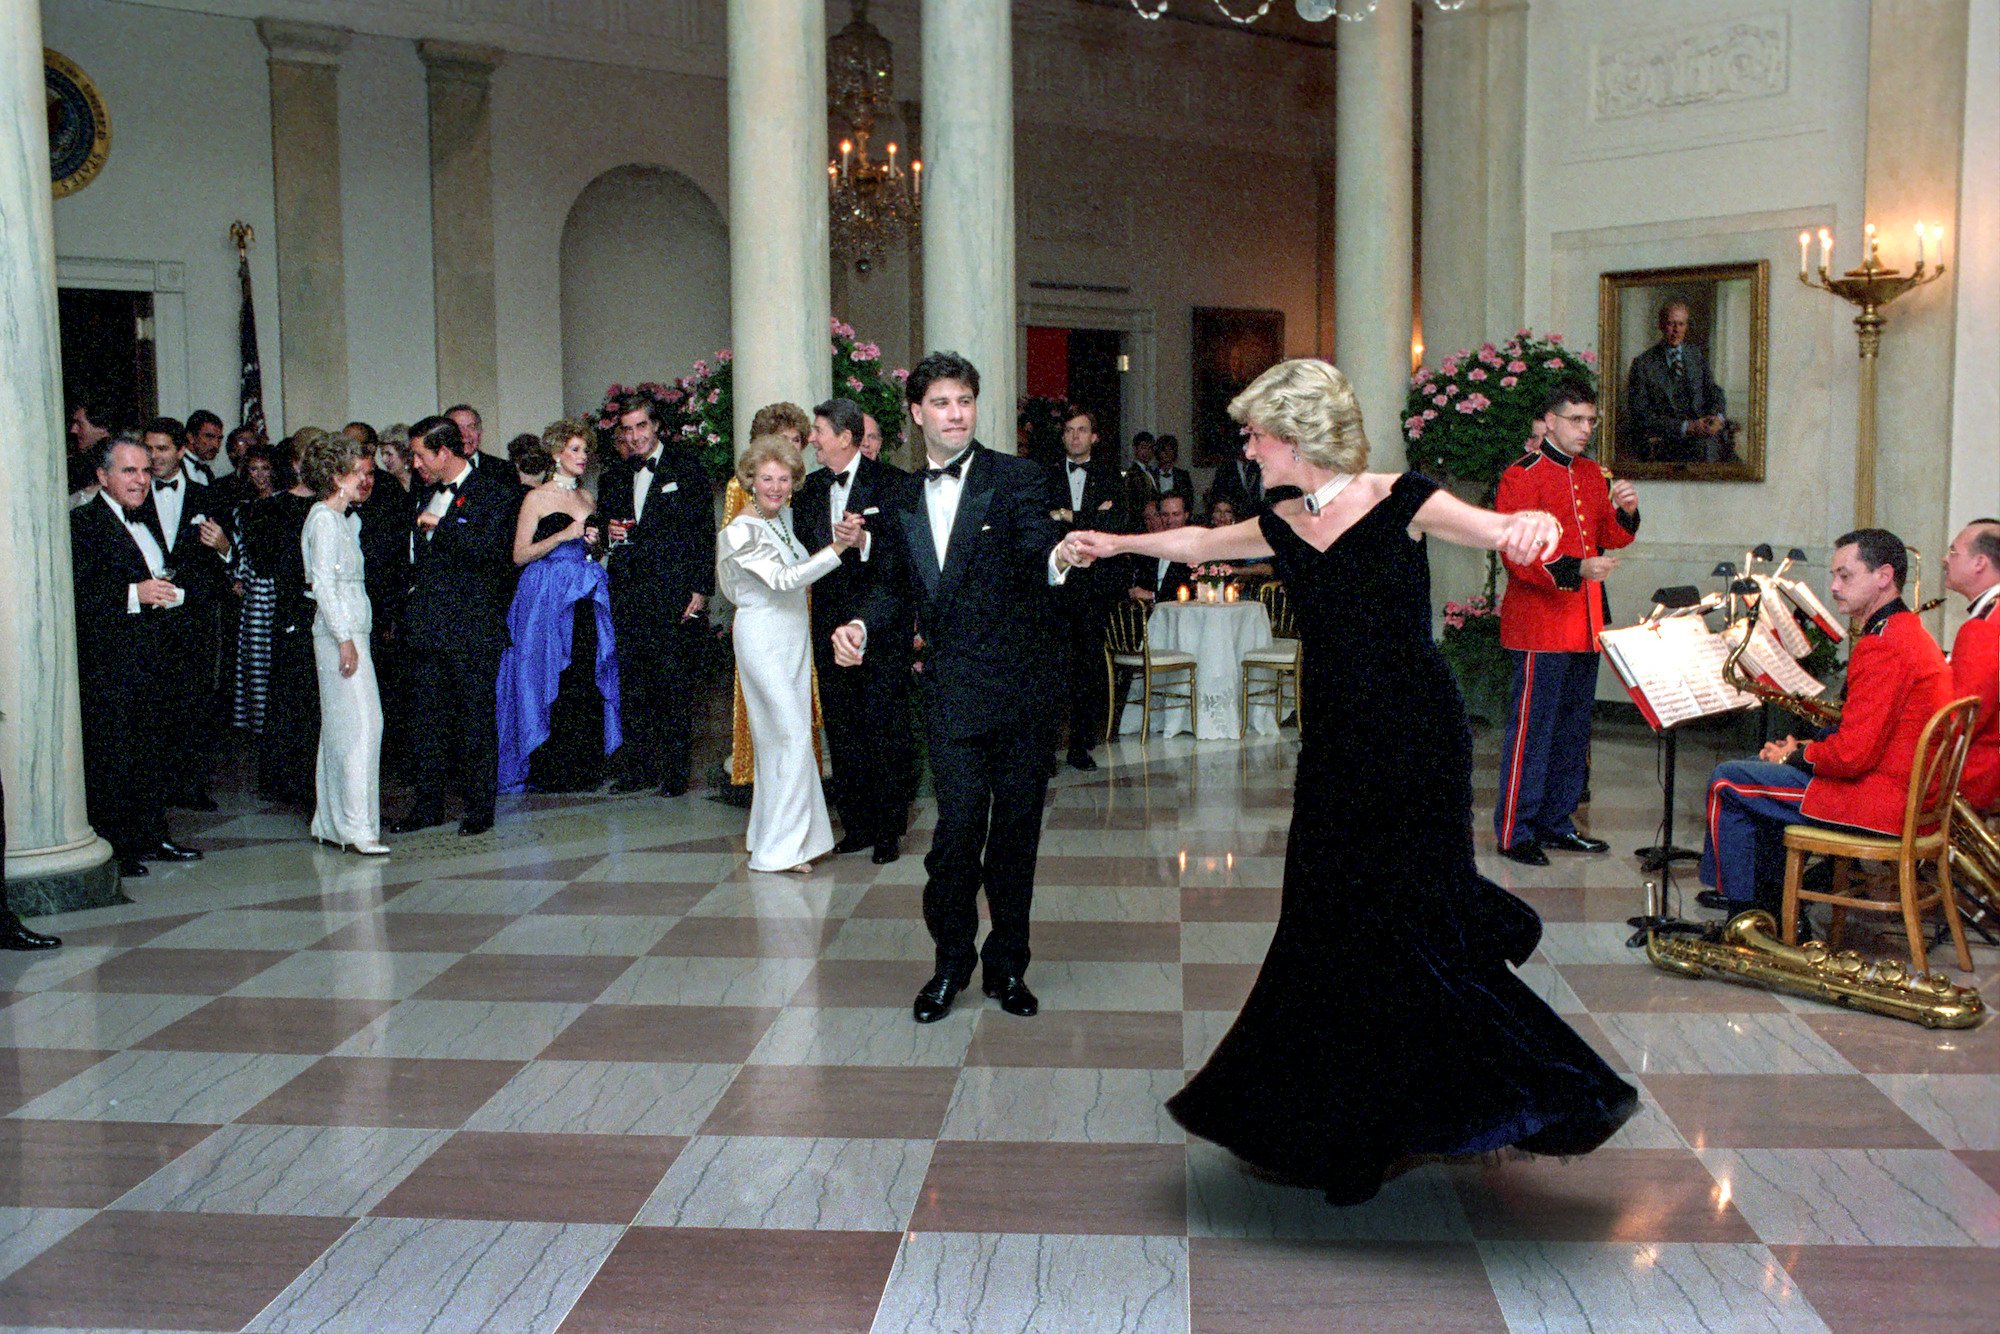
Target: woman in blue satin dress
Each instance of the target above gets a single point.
(558, 687)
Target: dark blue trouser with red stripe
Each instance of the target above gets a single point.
(1545, 762)
(1743, 851)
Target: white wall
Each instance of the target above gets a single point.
(190, 107)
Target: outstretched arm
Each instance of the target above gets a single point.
(1190, 546)
(1522, 537)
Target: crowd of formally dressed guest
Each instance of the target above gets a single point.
(400, 601)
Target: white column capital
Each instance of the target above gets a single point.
(303, 43)
(459, 62)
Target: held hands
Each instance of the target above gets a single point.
(157, 593)
(350, 658)
(1625, 495)
(847, 645)
(1777, 752)
(847, 533)
(1598, 567)
(1529, 537)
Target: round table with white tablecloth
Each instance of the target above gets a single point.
(1218, 635)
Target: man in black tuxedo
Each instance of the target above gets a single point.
(969, 550)
(1086, 491)
(197, 552)
(455, 624)
(661, 515)
(1240, 482)
(866, 708)
(124, 631)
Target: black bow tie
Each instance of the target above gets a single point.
(167, 486)
(951, 470)
(840, 479)
(1076, 467)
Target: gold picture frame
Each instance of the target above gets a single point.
(1693, 415)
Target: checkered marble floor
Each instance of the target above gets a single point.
(588, 1073)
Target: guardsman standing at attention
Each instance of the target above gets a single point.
(1550, 617)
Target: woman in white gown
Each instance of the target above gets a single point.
(764, 572)
(349, 812)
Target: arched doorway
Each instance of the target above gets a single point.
(645, 281)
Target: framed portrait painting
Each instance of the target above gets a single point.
(1683, 354)
(1231, 348)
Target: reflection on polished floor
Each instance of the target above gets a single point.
(587, 1073)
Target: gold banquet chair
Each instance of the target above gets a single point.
(1926, 837)
(1267, 671)
(1166, 677)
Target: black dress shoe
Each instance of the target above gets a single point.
(934, 1001)
(170, 852)
(415, 820)
(1080, 759)
(18, 937)
(853, 843)
(628, 784)
(474, 825)
(1528, 854)
(131, 868)
(1574, 842)
(1013, 995)
(887, 851)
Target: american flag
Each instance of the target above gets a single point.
(250, 380)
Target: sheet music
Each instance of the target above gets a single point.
(1676, 666)
(1807, 601)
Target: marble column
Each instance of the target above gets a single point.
(468, 351)
(305, 169)
(1374, 202)
(969, 297)
(54, 861)
(779, 307)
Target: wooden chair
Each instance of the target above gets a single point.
(1267, 671)
(1127, 648)
(1926, 837)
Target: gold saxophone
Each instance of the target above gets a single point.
(1750, 953)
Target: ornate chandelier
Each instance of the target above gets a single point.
(1312, 11)
(876, 204)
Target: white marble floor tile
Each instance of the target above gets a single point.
(1722, 1044)
(26, 1233)
(463, 1030)
(311, 1170)
(348, 975)
(677, 980)
(1106, 986)
(1858, 1197)
(865, 1037)
(562, 933)
(859, 1185)
(606, 1098)
(1052, 1106)
(904, 938)
(425, 1276)
(90, 1020)
(951, 1282)
(1592, 1288)
(475, 896)
(773, 896)
(185, 1087)
(1962, 1111)
(254, 929)
(1225, 942)
(1225, 1199)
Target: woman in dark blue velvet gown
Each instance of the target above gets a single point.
(557, 692)
(1385, 1026)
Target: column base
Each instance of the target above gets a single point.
(66, 891)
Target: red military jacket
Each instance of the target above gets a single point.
(1975, 670)
(1551, 607)
(1896, 679)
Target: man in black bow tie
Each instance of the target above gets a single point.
(1085, 492)
(969, 551)
(661, 513)
(126, 625)
(455, 624)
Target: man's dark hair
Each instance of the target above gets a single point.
(625, 403)
(438, 433)
(939, 366)
(844, 416)
(199, 418)
(169, 427)
(1986, 540)
(1073, 411)
(1568, 392)
(464, 407)
(368, 435)
(1878, 547)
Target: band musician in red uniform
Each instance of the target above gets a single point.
(1550, 617)
(1972, 570)
(1858, 776)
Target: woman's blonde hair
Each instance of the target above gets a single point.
(324, 459)
(1309, 405)
(768, 449)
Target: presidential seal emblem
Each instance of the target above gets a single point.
(79, 126)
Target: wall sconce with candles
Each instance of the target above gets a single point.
(1871, 287)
